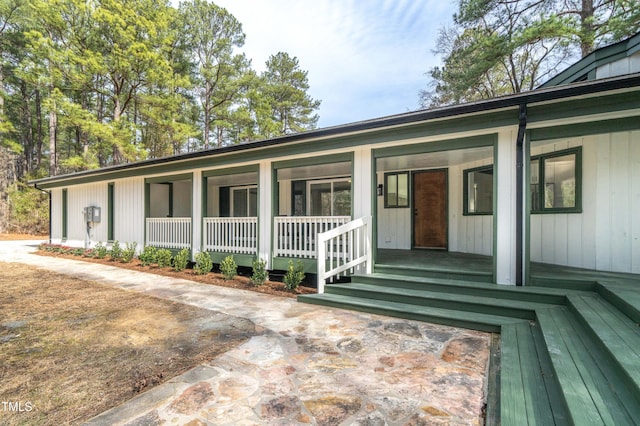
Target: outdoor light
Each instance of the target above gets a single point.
(380, 190)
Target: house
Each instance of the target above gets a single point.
(548, 176)
(518, 215)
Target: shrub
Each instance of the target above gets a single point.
(100, 251)
(204, 264)
(77, 251)
(294, 276)
(148, 255)
(116, 251)
(128, 252)
(181, 260)
(229, 268)
(164, 258)
(260, 274)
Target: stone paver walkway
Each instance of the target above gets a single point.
(307, 365)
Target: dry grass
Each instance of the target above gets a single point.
(73, 348)
(17, 237)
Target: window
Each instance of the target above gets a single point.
(555, 182)
(329, 197)
(396, 192)
(244, 201)
(478, 191)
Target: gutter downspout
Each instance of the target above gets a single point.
(35, 185)
(522, 127)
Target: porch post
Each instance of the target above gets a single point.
(361, 183)
(265, 220)
(506, 205)
(196, 213)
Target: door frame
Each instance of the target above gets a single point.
(446, 201)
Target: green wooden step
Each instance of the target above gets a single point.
(524, 398)
(625, 298)
(614, 332)
(592, 392)
(528, 294)
(471, 320)
(435, 272)
(439, 299)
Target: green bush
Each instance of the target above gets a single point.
(27, 209)
(204, 264)
(181, 260)
(116, 251)
(77, 251)
(229, 268)
(294, 276)
(148, 255)
(260, 274)
(164, 258)
(128, 253)
(100, 251)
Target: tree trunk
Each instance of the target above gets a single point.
(27, 127)
(587, 38)
(207, 116)
(53, 126)
(39, 132)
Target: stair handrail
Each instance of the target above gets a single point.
(355, 254)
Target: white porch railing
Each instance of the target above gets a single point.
(345, 249)
(169, 232)
(231, 234)
(295, 236)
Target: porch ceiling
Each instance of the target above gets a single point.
(315, 171)
(434, 159)
(238, 179)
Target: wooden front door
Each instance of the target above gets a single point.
(430, 209)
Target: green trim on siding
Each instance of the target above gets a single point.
(527, 208)
(374, 210)
(147, 208)
(254, 168)
(170, 199)
(314, 161)
(437, 146)
(110, 211)
(585, 129)
(496, 177)
(583, 107)
(169, 178)
(65, 207)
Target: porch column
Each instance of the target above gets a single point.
(196, 213)
(361, 183)
(265, 210)
(505, 220)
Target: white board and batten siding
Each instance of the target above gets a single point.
(79, 197)
(624, 66)
(606, 235)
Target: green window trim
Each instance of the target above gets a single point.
(539, 198)
(395, 184)
(110, 211)
(476, 210)
(64, 214)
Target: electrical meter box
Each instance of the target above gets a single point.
(92, 214)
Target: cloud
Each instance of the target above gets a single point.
(365, 58)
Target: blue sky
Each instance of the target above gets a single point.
(365, 58)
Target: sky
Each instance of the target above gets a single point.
(365, 58)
